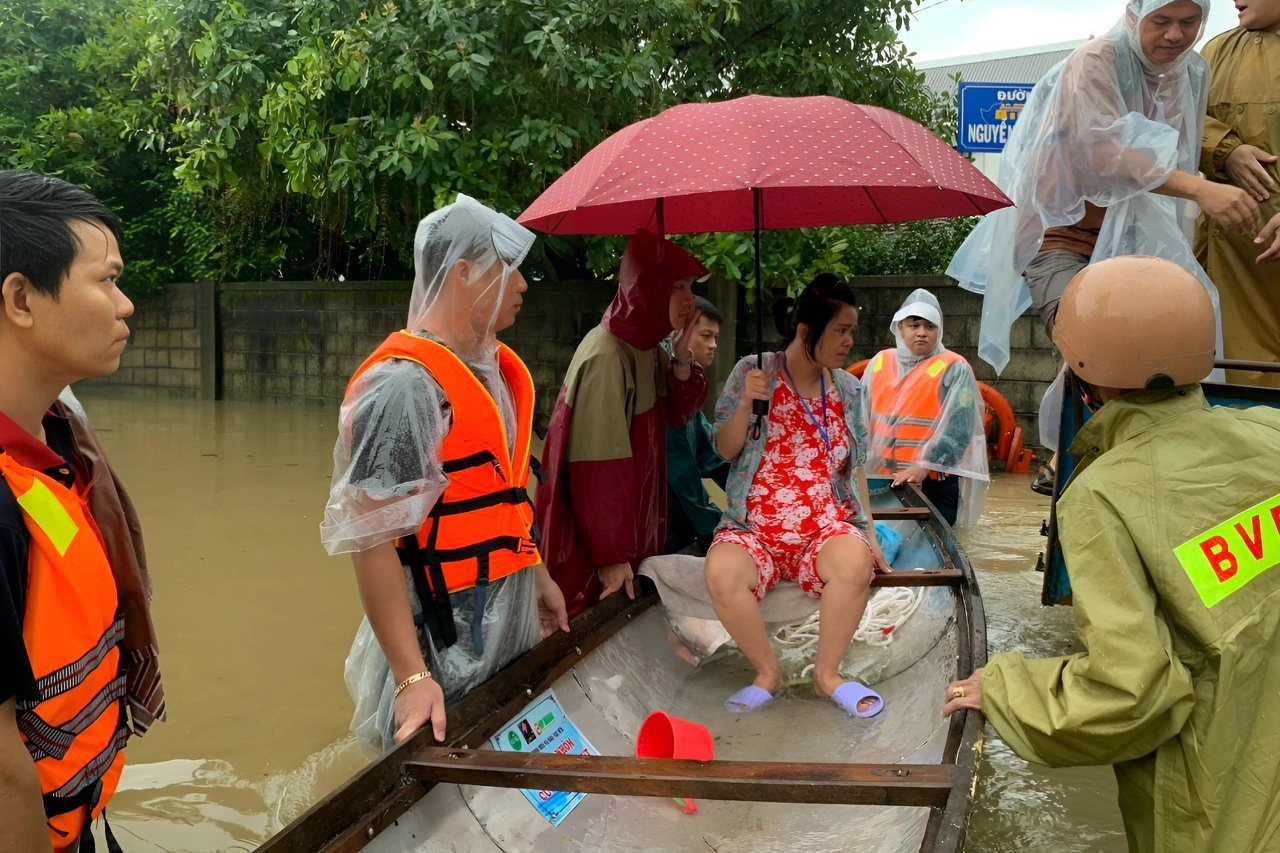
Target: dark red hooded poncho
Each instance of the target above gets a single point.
(605, 498)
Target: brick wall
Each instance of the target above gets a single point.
(299, 342)
(552, 321)
(164, 351)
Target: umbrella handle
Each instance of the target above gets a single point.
(759, 408)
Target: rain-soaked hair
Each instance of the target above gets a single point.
(815, 306)
(36, 239)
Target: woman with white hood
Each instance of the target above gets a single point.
(926, 414)
(428, 492)
(1101, 163)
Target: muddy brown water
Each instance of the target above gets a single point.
(255, 621)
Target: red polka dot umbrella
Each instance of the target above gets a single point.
(763, 163)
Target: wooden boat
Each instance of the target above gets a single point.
(1056, 588)
(798, 775)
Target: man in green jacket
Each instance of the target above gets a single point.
(691, 455)
(1170, 526)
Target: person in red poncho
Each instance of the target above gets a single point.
(603, 508)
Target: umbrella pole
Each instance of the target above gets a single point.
(759, 408)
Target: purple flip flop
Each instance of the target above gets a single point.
(848, 695)
(749, 698)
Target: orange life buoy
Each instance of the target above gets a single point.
(1001, 441)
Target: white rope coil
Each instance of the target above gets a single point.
(886, 612)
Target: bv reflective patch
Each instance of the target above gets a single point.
(1227, 556)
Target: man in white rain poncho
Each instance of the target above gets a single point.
(428, 490)
(926, 414)
(1100, 164)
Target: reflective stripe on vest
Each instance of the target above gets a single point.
(905, 410)
(480, 528)
(75, 731)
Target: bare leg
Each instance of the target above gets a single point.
(731, 580)
(844, 566)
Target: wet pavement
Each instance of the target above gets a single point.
(255, 621)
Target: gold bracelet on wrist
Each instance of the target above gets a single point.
(416, 677)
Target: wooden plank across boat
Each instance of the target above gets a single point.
(800, 774)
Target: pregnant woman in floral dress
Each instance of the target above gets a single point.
(797, 495)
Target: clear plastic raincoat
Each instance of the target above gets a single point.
(956, 443)
(387, 468)
(1107, 126)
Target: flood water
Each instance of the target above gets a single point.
(255, 621)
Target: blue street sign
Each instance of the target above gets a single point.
(988, 112)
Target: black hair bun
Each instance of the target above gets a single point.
(825, 282)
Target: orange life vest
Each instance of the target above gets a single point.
(481, 529)
(76, 731)
(905, 410)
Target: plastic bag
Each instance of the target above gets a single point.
(890, 541)
(510, 629)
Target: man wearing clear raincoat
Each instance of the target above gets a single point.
(1101, 163)
(428, 492)
(926, 414)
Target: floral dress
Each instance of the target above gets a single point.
(792, 509)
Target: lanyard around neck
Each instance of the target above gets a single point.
(808, 413)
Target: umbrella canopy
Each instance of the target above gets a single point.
(806, 162)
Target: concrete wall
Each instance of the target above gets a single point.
(164, 355)
(300, 342)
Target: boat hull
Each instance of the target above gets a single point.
(630, 663)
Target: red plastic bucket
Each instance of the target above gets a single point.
(664, 736)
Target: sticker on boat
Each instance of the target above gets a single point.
(543, 726)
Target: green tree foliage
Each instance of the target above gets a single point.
(68, 109)
(291, 138)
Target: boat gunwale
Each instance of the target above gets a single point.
(373, 800)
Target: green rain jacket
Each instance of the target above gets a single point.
(1171, 530)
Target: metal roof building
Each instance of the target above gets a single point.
(1025, 65)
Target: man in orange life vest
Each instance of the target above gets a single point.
(70, 596)
(926, 421)
(428, 494)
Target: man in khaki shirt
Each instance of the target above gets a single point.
(1241, 139)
